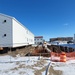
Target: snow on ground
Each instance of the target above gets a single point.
(34, 66)
(58, 42)
(68, 45)
(22, 65)
(43, 73)
(63, 68)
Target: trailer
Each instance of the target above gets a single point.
(14, 34)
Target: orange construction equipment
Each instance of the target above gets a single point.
(63, 57)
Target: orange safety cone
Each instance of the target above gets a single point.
(63, 57)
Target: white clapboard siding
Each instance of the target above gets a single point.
(13, 33)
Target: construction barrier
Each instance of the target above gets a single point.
(55, 56)
(62, 57)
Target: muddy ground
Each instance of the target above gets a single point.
(20, 51)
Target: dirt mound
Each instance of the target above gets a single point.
(40, 51)
(21, 51)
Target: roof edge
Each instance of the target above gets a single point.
(6, 15)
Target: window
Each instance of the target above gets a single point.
(37, 39)
(4, 34)
(4, 21)
(27, 39)
(35, 42)
(27, 31)
(41, 39)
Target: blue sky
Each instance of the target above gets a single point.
(49, 18)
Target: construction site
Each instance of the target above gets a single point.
(24, 54)
(47, 59)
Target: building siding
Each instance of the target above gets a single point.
(16, 34)
(5, 28)
(38, 40)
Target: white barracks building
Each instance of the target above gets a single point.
(13, 33)
(38, 40)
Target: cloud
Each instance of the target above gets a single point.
(66, 24)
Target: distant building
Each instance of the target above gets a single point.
(38, 40)
(61, 39)
(74, 39)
